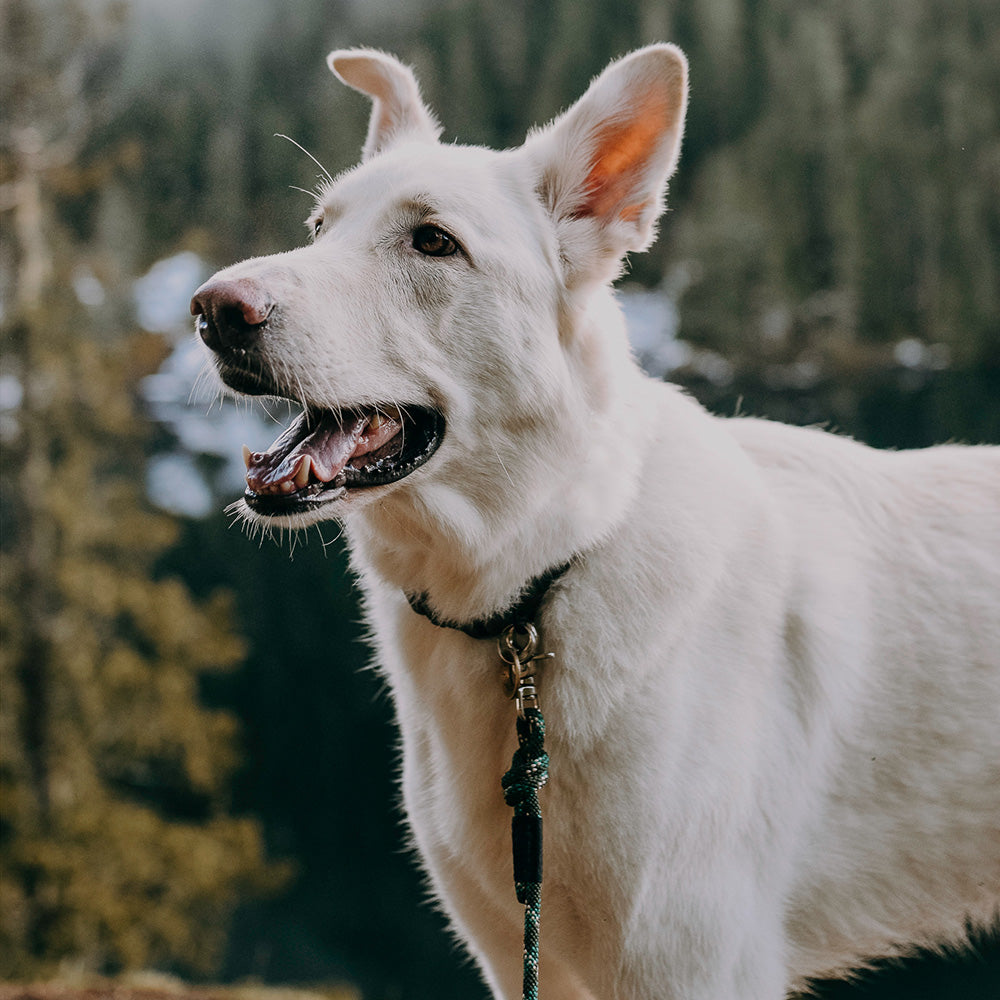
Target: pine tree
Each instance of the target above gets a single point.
(116, 850)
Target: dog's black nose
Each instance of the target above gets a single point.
(231, 313)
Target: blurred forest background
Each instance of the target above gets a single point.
(196, 770)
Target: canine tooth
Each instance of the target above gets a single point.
(376, 422)
(392, 412)
(302, 470)
(247, 455)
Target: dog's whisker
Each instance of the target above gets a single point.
(266, 405)
(502, 466)
(204, 382)
(326, 173)
(336, 538)
(301, 393)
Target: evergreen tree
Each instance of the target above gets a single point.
(856, 202)
(116, 850)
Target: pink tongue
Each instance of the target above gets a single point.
(330, 445)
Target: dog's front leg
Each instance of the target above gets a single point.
(494, 933)
(707, 931)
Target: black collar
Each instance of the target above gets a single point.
(524, 609)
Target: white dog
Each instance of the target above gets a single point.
(774, 708)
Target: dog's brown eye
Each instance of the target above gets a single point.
(433, 242)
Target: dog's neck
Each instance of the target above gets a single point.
(522, 612)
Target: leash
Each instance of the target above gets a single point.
(517, 643)
(529, 770)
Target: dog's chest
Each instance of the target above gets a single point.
(457, 727)
(458, 733)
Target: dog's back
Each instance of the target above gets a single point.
(896, 555)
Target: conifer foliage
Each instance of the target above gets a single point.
(116, 850)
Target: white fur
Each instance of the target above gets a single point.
(773, 713)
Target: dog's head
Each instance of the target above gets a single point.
(444, 330)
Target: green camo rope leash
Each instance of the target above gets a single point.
(529, 770)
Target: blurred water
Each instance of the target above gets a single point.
(162, 294)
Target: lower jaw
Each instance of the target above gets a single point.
(285, 506)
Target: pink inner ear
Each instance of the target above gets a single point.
(616, 184)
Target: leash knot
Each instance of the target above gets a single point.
(529, 768)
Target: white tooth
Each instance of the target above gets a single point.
(246, 456)
(301, 477)
(287, 486)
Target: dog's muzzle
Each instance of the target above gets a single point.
(326, 453)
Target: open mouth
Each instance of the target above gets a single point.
(326, 454)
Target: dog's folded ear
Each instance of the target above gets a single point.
(603, 165)
(397, 109)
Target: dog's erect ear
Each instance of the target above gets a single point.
(397, 110)
(603, 165)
